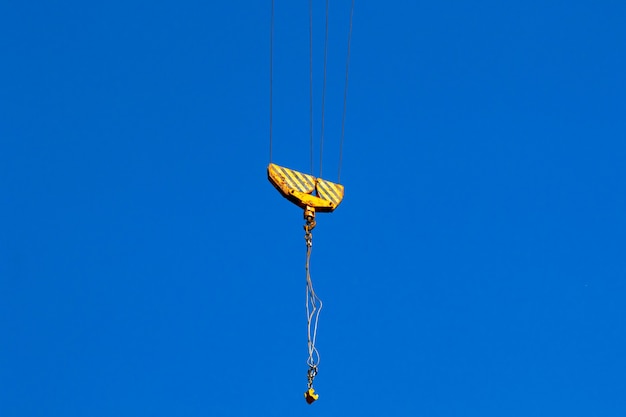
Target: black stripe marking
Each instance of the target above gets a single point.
(323, 191)
(304, 180)
(328, 190)
(287, 178)
(293, 182)
(309, 181)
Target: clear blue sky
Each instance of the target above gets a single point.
(476, 266)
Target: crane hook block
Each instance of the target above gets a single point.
(310, 396)
(305, 190)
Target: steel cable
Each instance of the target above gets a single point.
(345, 96)
(324, 89)
(271, 74)
(312, 312)
(311, 79)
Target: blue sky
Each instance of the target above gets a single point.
(475, 267)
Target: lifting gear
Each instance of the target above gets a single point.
(306, 191)
(299, 188)
(310, 396)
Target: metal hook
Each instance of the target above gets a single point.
(310, 396)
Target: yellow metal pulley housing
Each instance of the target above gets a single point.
(305, 191)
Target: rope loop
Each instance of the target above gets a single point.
(313, 302)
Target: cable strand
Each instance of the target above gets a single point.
(271, 76)
(345, 95)
(311, 81)
(312, 301)
(313, 312)
(324, 90)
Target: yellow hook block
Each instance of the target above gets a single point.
(310, 396)
(299, 189)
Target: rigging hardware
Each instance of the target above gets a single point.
(299, 188)
(306, 191)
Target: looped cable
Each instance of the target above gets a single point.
(313, 302)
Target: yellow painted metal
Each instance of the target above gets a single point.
(298, 188)
(310, 396)
(329, 191)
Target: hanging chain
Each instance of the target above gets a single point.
(311, 375)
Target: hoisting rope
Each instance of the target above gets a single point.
(313, 303)
(311, 82)
(345, 92)
(324, 90)
(271, 74)
(345, 95)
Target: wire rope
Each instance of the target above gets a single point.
(312, 313)
(324, 90)
(271, 75)
(311, 81)
(345, 95)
